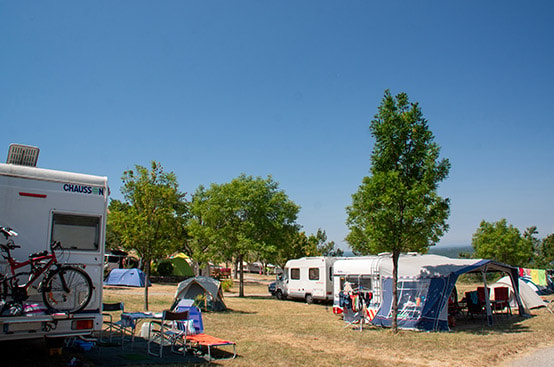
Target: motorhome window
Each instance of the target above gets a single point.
(76, 232)
(313, 273)
(365, 282)
(359, 281)
(295, 273)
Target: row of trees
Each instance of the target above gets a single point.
(396, 209)
(503, 242)
(247, 219)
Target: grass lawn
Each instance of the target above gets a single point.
(269, 332)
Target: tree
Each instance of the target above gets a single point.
(324, 248)
(397, 209)
(503, 243)
(245, 217)
(545, 255)
(533, 243)
(152, 218)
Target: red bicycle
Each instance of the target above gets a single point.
(64, 288)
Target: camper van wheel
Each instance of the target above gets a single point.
(309, 299)
(279, 294)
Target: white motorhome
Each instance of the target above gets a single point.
(44, 205)
(307, 278)
(363, 275)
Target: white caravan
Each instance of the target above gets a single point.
(42, 206)
(363, 275)
(307, 278)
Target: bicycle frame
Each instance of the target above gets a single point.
(36, 271)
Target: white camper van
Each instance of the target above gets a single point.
(307, 278)
(362, 274)
(43, 206)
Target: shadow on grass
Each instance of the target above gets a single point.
(254, 296)
(478, 325)
(238, 312)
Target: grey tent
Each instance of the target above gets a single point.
(529, 298)
(209, 288)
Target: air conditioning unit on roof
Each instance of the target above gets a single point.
(23, 155)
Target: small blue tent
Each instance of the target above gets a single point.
(126, 278)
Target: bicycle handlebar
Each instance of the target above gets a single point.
(55, 245)
(9, 246)
(8, 232)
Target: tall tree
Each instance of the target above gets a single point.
(152, 218)
(397, 208)
(503, 242)
(295, 246)
(532, 242)
(545, 256)
(245, 217)
(324, 247)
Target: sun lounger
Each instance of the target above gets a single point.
(196, 338)
(209, 342)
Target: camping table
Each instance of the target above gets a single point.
(130, 319)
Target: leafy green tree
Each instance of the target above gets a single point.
(545, 254)
(152, 218)
(502, 242)
(532, 242)
(247, 217)
(397, 209)
(325, 248)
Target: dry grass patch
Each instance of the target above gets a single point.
(286, 333)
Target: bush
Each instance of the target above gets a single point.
(226, 284)
(165, 268)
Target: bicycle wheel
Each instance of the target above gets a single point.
(67, 289)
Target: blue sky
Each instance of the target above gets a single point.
(213, 89)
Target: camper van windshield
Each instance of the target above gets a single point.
(78, 232)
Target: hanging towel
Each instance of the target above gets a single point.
(538, 276)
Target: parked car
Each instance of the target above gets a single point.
(271, 288)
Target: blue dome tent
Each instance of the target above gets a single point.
(126, 278)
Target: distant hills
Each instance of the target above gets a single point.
(451, 251)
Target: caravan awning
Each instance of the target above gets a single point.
(425, 283)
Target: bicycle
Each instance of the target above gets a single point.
(64, 288)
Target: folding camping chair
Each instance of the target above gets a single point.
(110, 326)
(172, 331)
(194, 314)
(502, 299)
(473, 304)
(195, 337)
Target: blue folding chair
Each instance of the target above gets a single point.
(194, 314)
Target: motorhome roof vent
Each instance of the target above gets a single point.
(23, 155)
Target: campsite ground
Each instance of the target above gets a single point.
(269, 332)
(285, 333)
